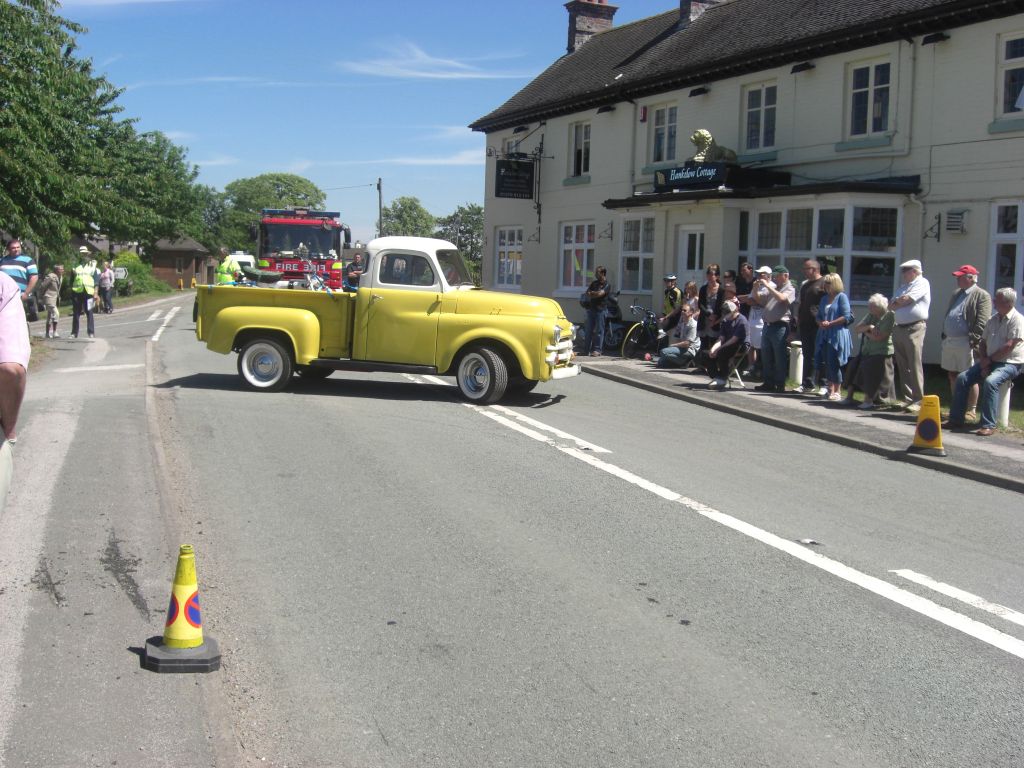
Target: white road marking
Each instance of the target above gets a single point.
(155, 315)
(965, 597)
(580, 443)
(91, 368)
(129, 322)
(170, 316)
(923, 606)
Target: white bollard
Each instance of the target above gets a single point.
(1004, 403)
(796, 362)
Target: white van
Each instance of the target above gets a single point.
(244, 259)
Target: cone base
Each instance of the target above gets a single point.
(927, 451)
(160, 658)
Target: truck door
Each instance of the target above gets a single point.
(403, 310)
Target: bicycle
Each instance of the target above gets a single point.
(645, 335)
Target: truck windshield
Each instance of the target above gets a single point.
(288, 237)
(454, 268)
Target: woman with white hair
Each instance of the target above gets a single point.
(874, 372)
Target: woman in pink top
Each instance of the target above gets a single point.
(14, 355)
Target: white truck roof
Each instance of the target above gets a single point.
(407, 243)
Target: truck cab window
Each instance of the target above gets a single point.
(406, 269)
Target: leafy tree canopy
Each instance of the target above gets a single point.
(68, 165)
(407, 216)
(465, 228)
(244, 199)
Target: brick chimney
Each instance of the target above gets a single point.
(586, 19)
(691, 9)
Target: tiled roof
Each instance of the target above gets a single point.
(182, 244)
(654, 55)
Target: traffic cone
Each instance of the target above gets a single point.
(928, 436)
(183, 647)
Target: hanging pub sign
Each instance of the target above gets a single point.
(514, 178)
(694, 175)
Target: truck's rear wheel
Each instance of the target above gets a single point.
(264, 364)
(482, 376)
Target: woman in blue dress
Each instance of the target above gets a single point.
(833, 343)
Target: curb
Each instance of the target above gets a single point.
(921, 460)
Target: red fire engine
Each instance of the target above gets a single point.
(295, 241)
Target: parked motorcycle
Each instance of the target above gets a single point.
(645, 335)
(615, 326)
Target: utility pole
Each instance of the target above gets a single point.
(380, 208)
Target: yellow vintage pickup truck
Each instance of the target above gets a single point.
(416, 311)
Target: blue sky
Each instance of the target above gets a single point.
(340, 92)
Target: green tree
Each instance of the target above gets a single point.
(155, 191)
(67, 164)
(245, 198)
(465, 228)
(407, 216)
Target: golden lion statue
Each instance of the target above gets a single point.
(708, 151)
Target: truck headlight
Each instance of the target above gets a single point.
(556, 336)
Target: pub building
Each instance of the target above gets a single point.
(859, 134)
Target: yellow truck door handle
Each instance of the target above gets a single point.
(376, 297)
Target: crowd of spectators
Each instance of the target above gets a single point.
(747, 320)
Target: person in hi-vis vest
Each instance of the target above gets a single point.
(84, 292)
(227, 269)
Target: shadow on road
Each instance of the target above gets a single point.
(340, 387)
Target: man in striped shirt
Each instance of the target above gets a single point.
(21, 268)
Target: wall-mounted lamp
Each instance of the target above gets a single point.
(934, 37)
(700, 91)
(607, 233)
(521, 129)
(605, 109)
(803, 66)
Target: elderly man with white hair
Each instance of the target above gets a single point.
(1000, 359)
(910, 306)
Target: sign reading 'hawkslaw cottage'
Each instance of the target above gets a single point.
(696, 176)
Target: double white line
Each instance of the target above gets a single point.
(584, 452)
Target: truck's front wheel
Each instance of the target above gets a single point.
(264, 364)
(482, 376)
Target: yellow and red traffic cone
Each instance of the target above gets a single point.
(928, 435)
(183, 647)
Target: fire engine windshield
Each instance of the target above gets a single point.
(288, 237)
(454, 268)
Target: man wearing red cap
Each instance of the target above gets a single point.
(969, 309)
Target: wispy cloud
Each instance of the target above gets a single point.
(465, 157)
(300, 165)
(187, 81)
(407, 60)
(179, 135)
(449, 133)
(217, 160)
(79, 3)
(108, 61)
